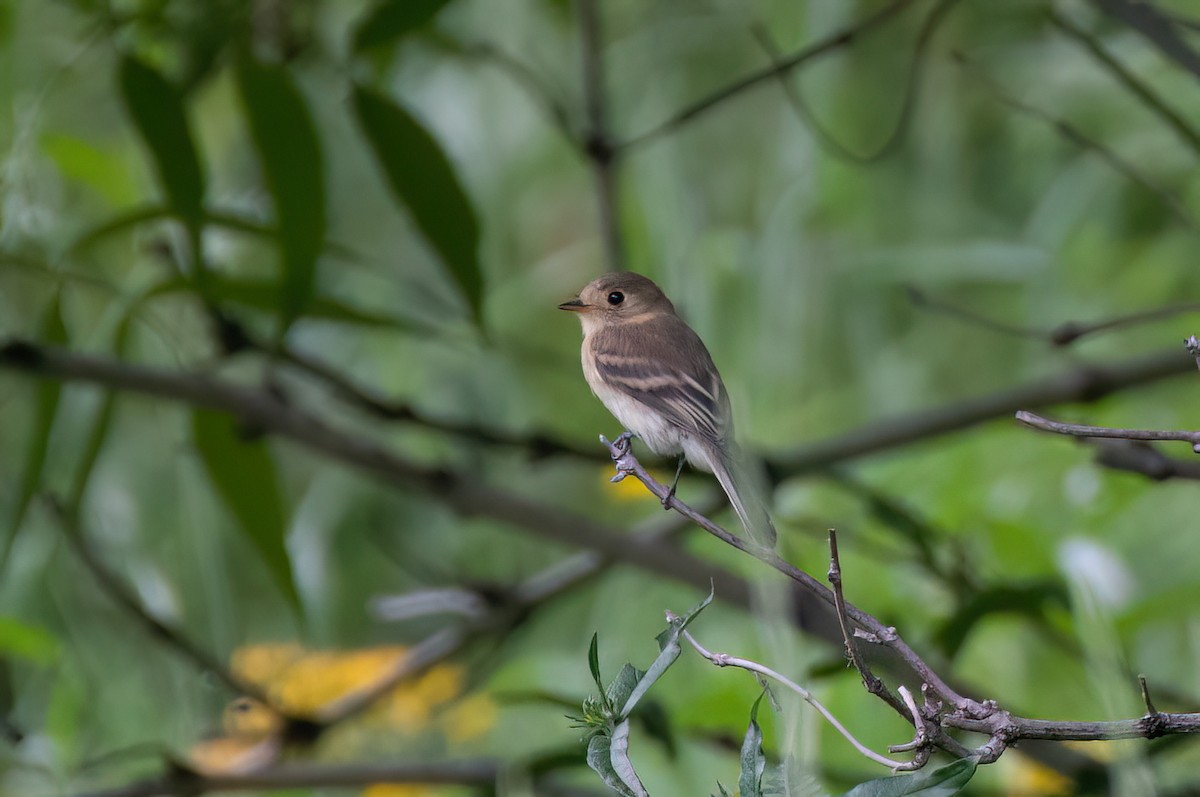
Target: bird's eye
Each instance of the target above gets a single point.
(616, 297)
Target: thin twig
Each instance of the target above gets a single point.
(124, 597)
(1147, 20)
(912, 83)
(1085, 383)
(1150, 709)
(813, 51)
(1131, 81)
(725, 660)
(870, 681)
(1084, 141)
(1063, 334)
(1081, 430)
(598, 141)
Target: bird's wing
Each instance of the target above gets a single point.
(664, 365)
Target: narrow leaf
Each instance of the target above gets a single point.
(45, 407)
(599, 758)
(243, 475)
(669, 650)
(753, 760)
(942, 782)
(290, 153)
(594, 662)
(391, 19)
(157, 110)
(619, 753)
(422, 178)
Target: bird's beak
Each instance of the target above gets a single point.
(575, 306)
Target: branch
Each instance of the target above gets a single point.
(1003, 728)
(598, 142)
(1063, 334)
(1151, 23)
(1086, 383)
(1144, 459)
(1080, 430)
(628, 465)
(124, 597)
(263, 412)
(725, 660)
(524, 598)
(931, 23)
(813, 51)
(1083, 141)
(1129, 80)
(869, 679)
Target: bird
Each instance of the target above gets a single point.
(654, 374)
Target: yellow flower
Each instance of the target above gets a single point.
(469, 718)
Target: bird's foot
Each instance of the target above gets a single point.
(620, 449)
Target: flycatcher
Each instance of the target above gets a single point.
(652, 371)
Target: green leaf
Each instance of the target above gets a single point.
(723, 791)
(243, 474)
(422, 178)
(45, 408)
(29, 642)
(594, 662)
(391, 19)
(290, 153)
(754, 761)
(101, 170)
(157, 110)
(619, 754)
(669, 650)
(599, 758)
(622, 687)
(942, 782)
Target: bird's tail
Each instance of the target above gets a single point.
(745, 488)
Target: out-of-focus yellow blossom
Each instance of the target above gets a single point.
(630, 489)
(304, 682)
(399, 790)
(1027, 778)
(469, 718)
(252, 740)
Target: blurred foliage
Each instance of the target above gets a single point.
(401, 190)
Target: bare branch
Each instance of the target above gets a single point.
(813, 51)
(1064, 334)
(1131, 81)
(1151, 23)
(627, 465)
(869, 679)
(124, 597)
(808, 118)
(1081, 430)
(725, 660)
(1085, 383)
(1084, 141)
(1145, 459)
